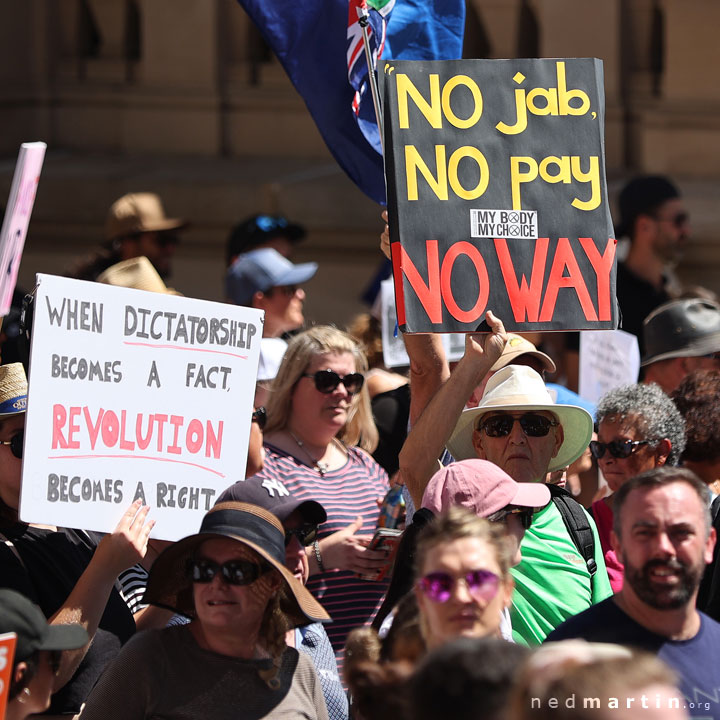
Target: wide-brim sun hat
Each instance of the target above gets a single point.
(170, 585)
(518, 388)
(681, 328)
(137, 273)
(138, 213)
(13, 389)
(480, 486)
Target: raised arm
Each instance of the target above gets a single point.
(85, 605)
(429, 435)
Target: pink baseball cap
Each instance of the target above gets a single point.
(480, 486)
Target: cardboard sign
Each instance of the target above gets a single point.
(7, 655)
(17, 218)
(608, 359)
(497, 195)
(132, 395)
(394, 352)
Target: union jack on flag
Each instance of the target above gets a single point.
(362, 105)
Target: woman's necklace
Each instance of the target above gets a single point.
(321, 467)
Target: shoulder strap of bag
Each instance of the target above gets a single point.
(577, 524)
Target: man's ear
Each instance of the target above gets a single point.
(662, 451)
(710, 546)
(615, 543)
(477, 444)
(258, 300)
(559, 439)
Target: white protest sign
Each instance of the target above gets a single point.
(394, 353)
(17, 218)
(132, 395)
(608, 358)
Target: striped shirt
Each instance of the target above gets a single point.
(345, 493)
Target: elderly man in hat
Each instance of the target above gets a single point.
(518, 427)
(679, 337)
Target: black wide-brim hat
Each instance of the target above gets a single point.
(170, 586)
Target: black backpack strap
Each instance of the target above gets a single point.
(577, 524)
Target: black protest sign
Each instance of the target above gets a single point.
(497, 194)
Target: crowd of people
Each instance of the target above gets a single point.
(553, 558)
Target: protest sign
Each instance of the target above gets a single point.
(394, 353)
(497, 197)
(608, 359)
(7, 654)
(135, 395)
(17, 218)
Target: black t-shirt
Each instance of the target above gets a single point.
(637, 298)
(52, 563)
(696, 661)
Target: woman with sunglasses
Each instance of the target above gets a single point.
(70, 574)
(231, 662)
(317, 438)
(639, 428)
(463, 581)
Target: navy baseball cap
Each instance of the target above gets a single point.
(263, 269)
(272, 495)
(259, 229)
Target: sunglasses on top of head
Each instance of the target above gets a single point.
(326, 381)
(532, 424)
(16, 444)
(525, 515)
(620, 449)
(234, 572)
(305, 534)
(481, 584)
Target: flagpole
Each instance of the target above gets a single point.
(364, 19)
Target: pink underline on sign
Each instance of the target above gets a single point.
(182, 347)
(135, 457)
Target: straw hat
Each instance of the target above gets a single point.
(169, 584)
(13, 389)
(517, 388)
(137, 273)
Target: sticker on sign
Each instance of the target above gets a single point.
(507, 224)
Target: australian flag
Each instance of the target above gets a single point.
(320, 45)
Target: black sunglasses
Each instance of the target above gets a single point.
(620, 449)
(532, 424)
(326, 381)
(305, 534)
(234, 572)
(16, 444)
(260, 417)
(525, 514)
(678, 220)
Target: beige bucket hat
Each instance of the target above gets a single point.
(516, 388)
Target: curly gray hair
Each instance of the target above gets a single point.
(658, 418)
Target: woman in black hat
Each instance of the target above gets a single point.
(37, 654)
(231, 660)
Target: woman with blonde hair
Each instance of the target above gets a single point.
(463, 583)
(317, 438)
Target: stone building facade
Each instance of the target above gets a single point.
(183, 98)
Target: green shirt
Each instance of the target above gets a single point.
(552, 583)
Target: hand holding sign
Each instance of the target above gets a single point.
(128, 544)
(488, 347)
